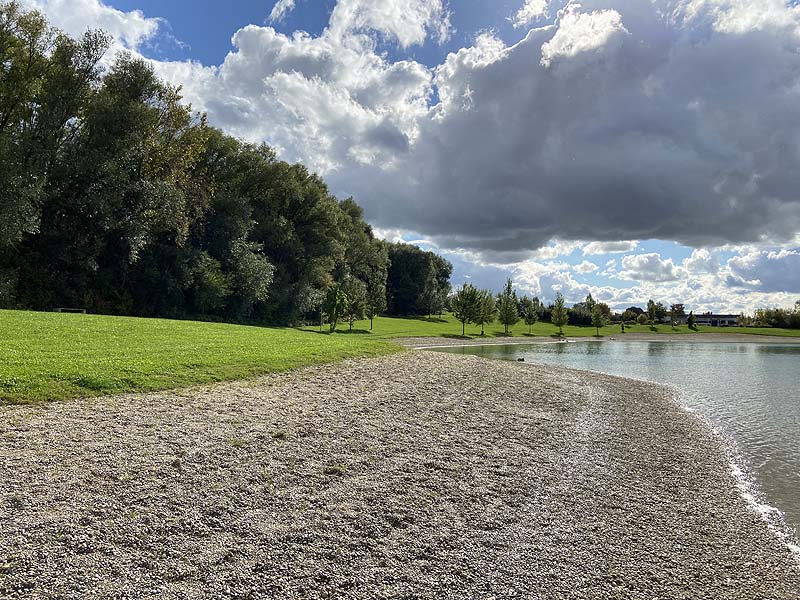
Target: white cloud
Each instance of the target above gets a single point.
(579, 33)
(280, 10)
(702, 261)
(130, 29)
(586, 267)
(409, 22)
(594, 248)
(649, 267)
(531, 11)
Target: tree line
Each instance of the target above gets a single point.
(117, 198)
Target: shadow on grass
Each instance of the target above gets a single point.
(327, 331)
(424, 319)
(453, 336)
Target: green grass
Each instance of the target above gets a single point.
(447, 326)
(49, 356)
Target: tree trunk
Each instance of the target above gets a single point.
(463, 328)
(370, 323)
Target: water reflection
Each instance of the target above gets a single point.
(749, 390)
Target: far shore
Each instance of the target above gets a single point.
(421, 343)
(416, 475)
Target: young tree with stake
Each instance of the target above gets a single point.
(560, 316)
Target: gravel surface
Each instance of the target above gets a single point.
(419, 475)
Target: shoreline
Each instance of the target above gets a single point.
(423, 474)
(424, 343)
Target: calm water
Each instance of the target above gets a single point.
(751, 391)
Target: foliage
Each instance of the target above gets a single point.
(507, 307)
(376, 295)
(335, 305)
(118, 198)
(355, 304)
(529, 309)
(598, 318)
(642, 319)
(559, 316)
(418, 281)
(486, 309)
(464, 305)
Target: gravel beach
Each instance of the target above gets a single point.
(419, 475)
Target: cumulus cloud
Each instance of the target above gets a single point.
(530, 11)
(593, 248)
(649, 267)
(130, 29)
(767, 271)
(656, 133)
(586, 267)
(583, 32)
(408, 22)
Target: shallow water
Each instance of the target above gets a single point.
(750, 391)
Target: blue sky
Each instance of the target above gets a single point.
(629, 149)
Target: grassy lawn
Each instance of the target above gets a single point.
(47, 356)
(447, 326)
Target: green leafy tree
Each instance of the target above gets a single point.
(356, 300)
(590, 303)
(487, 309)
(376, 295)
(529, 311)
(598, 318)
(335, 305)
(691, 320)
(676, 313)
(464, 304)
(559, 315)
(507, 306)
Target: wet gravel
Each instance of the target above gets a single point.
(419, 475)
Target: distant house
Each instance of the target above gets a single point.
(712, 320)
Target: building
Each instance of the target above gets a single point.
(712, 320)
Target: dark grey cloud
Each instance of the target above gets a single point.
(766, 271)
(678, 121)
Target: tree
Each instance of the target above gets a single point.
(529, 309)
(559, 316)
(598, 318)
(507, 306)
(590, 303)
(651, 312)
(417, 280)
(335, 305)
(676, 312)
(356, 300)
(692, 320)
(464, 305)
(487, 309)
(376, 295)
(642, 319)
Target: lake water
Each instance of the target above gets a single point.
(749, 391)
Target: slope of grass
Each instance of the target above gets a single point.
(447, 326)
(47, 356)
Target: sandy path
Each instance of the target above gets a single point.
(420, 475)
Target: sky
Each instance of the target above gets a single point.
(631, 149)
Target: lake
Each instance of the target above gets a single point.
(749, 391)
